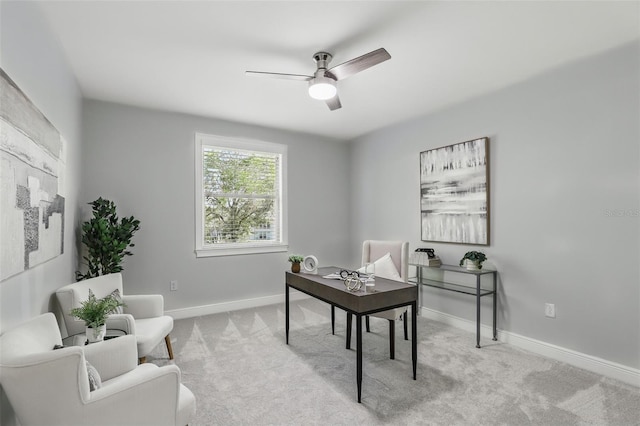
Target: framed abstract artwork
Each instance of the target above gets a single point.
(454, 193)
(32, 158)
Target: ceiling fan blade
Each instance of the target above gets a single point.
(280, 75)
(361, 63)
(334, 103)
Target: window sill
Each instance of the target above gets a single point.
(235, 251)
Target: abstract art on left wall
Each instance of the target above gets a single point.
(31, 183)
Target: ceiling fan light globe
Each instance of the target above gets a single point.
(322, 88)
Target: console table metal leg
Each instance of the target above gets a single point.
(414, 337)
(495, 305)
(349, 320)
(359, 355)
(419, 288)
(286, 309)
(477, 311)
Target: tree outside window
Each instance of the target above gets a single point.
(242, 188)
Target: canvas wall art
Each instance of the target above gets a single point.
(31, 183)
(454, 193)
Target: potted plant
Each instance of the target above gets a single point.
(94, 313)
(295, 260)
(473, 260)
(107, 239)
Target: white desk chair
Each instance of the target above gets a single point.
(373, 250)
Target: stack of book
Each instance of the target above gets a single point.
(433, 262)
(421, 258)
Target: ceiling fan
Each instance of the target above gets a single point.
(322, 84)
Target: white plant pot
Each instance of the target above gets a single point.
(96, 334)
(471, 265)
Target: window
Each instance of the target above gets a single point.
(240, 196)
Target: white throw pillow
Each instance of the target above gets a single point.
(95, 382)
(385, 268)
(116, 295)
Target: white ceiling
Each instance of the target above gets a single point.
(190, 56)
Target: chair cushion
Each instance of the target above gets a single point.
(122, 380)
(385, 268)
(391, 314)
(150, 332)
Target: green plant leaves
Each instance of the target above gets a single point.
(477, 257)
(107, 239)
(94, 311)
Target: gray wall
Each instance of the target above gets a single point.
(144, 161)
(33, 60)
(565, 162)
(31, 57)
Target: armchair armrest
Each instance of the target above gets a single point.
(144, 305)
(113, 357)
(124, 322)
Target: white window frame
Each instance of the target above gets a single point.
(230, 249)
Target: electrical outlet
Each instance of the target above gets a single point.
(173, 285)
(549, 310)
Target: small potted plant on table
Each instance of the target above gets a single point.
(94, 313)
(473, 260)
(295, 260)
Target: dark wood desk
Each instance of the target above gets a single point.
(388, 294)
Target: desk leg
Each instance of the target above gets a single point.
(359, 355)
(477, 311)
(333, 319)
(286, 310)
(414, 337)
(392, 339)
(495, 305)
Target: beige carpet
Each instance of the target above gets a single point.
(242, 373)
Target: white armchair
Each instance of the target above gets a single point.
(143, 314)
(51, 387)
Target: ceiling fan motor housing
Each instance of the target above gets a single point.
(322, 60)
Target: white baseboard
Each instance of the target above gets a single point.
(591, 363)
(235, 305)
